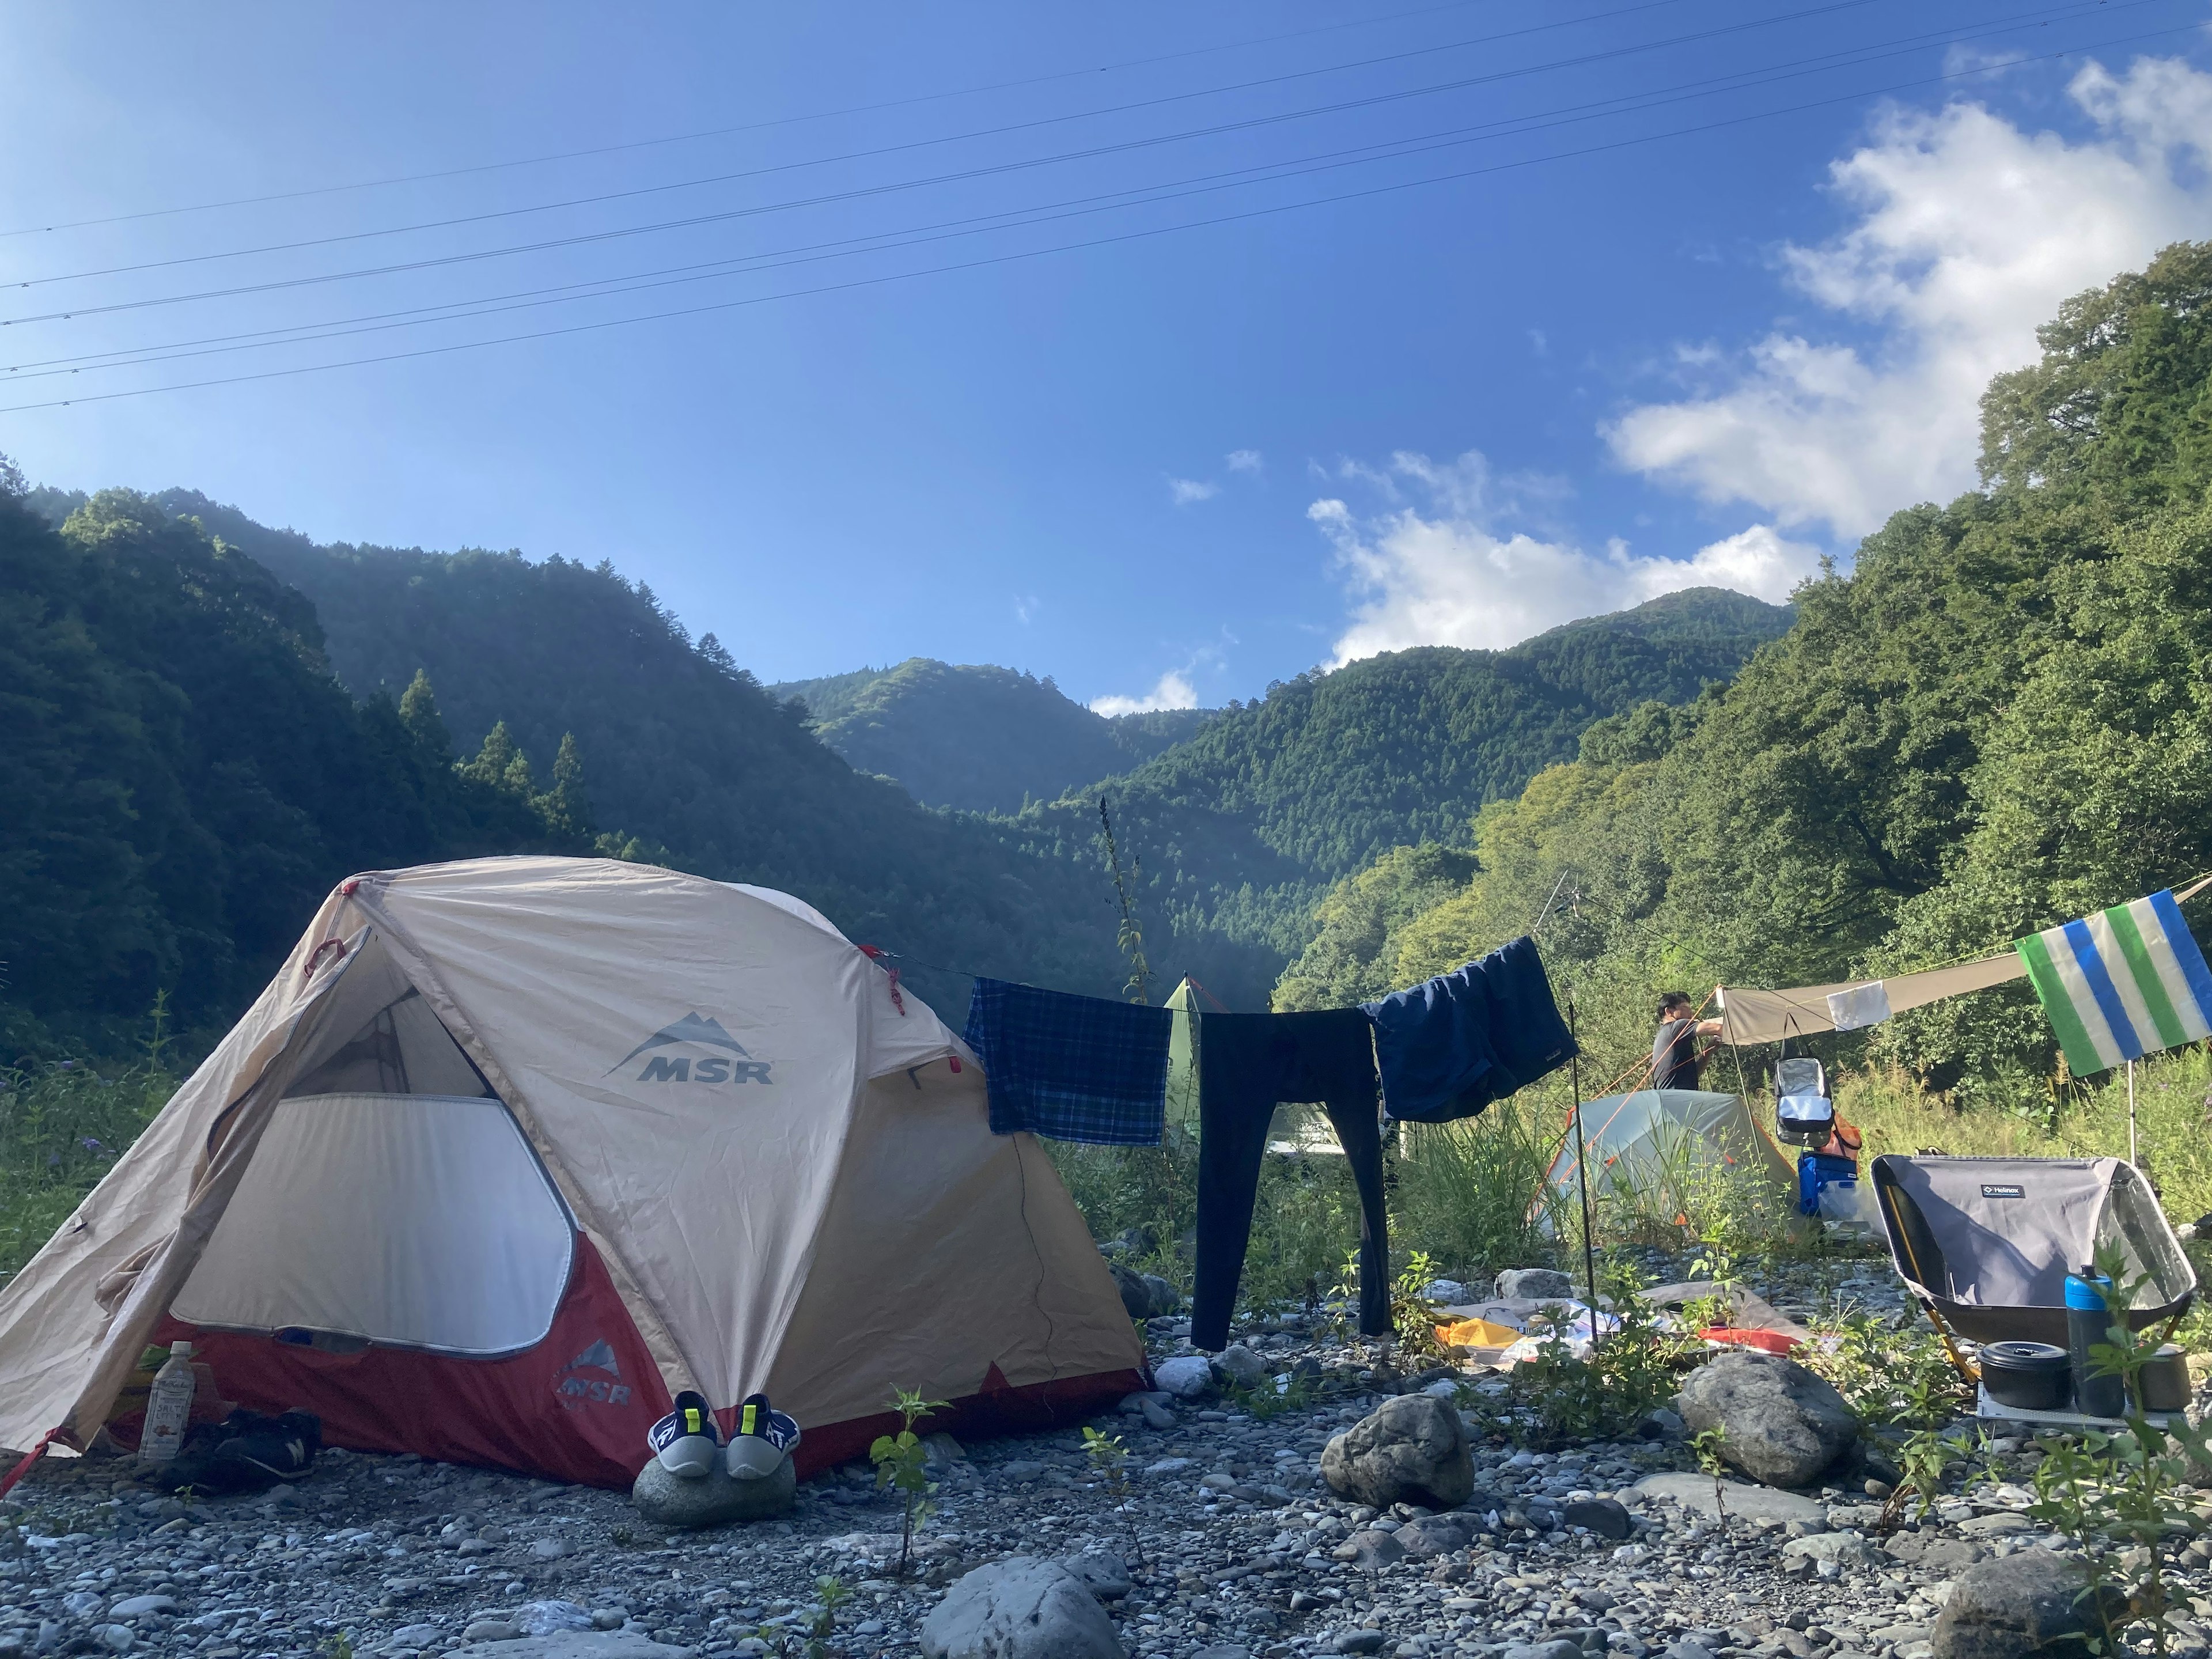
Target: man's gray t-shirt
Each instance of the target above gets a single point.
(1675, 1055)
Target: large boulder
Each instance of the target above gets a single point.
(1019, 1608)
(1778, 1422)
(1534, 1284)
(2028, 1602)
(1412, 1450)
(712, 1500)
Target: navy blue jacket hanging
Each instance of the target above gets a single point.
(1448, 1047)
(1073, 1068)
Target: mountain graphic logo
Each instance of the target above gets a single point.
(692, 1028)
(581, 1393)
(600, 1356)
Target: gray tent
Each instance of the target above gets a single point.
(1650, 1146)
(1986, 1243)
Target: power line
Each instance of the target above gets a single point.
(1339, 106)
(724, 132)
(976, 224)
(1127, 236)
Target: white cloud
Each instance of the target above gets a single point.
(1183, 491)
(1245, 460)
(1969, 232)
(1443, 575)
(1172, 691)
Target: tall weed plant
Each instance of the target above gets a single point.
(63, 1124)
(2060, 1119)
(1472, 1194)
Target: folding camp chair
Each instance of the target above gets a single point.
(1985, 1243)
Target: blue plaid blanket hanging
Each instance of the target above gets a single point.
(1069, 1067)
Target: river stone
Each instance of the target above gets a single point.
(1695, 1491)
(1370, 1551)
(1136, 1295)
(1244, 1367)
(1932, 1550)
(1412, 1450)
(1608, 1518)
(1165, 1298)
(573, 1645)
(1534, 1284)
(1186, 1378)
(1436, 1535)
(1780, 1423)
(1019, 1608)
(549, 1617)
(712, 1499)
(1105, 1574)
(2020, 1604)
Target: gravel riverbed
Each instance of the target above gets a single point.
(1227, 1535)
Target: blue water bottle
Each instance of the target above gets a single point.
(2089, 1322)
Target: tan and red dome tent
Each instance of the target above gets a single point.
(512, 1150)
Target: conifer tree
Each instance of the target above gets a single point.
(566, 808)
(494, 763)
(418, 713)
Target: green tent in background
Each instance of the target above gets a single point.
(1182, 1056)
(1295, 1129)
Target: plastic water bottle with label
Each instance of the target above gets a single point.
(169, 1408)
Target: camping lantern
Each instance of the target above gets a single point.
(1804, 1116)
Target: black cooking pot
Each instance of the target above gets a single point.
(2029, 1377)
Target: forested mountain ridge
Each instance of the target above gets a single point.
(981, 738)
(1244, 824)
(183, 779)
(1999, 720)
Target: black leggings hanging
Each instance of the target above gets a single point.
(1248, 1064)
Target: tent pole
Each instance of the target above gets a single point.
(1582, 1171)
(2131, 1111)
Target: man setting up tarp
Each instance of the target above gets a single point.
(1675, 1060)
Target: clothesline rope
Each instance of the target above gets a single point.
(2182, 897)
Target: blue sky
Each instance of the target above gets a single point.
(1174, 465)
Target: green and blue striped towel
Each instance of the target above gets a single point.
(2121, 984)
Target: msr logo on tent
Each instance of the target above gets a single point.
(695, 1031)
(576, 1390)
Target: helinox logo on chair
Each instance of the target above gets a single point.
(576, 1390)
(695, 1031)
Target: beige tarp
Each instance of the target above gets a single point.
(1752, 1015)
(791, 1187)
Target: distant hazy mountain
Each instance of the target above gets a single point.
(981, 738)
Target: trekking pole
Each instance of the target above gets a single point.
(1582, 1171)
(2131, 1111)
